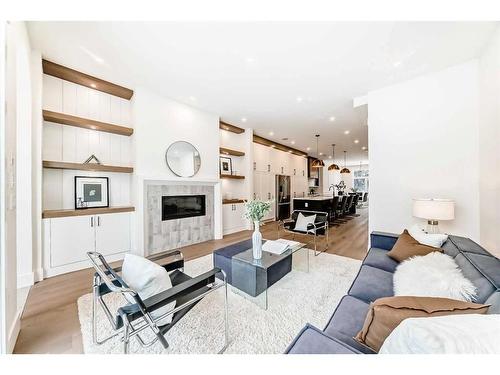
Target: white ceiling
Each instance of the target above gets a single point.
(288, 78)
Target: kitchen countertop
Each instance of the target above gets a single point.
(316, 198)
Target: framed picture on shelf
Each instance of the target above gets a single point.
(91, 192)
(226, 165)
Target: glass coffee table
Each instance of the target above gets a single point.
(251, 278)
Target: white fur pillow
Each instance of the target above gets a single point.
(432, 275)
(431, 239)
(148, 279)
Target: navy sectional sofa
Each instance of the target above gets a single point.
(374, 280)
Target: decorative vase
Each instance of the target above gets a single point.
(257, 241)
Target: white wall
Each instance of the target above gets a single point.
(18, 122)
(423, 142)
(489, 150)
(159, 122)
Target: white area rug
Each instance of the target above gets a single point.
(297, 299)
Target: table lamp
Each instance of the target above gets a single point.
(433, 210)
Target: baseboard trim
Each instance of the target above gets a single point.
(38, 275)
(14, 333)
(25, 280)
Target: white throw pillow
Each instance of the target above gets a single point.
(449, 334)
(433, 275)
(431, 239)
(147, 278)
(303, 221)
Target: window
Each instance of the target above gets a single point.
(360, 181)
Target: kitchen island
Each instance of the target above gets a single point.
(321, 203)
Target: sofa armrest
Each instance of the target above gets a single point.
(383, 240)
(311, 340)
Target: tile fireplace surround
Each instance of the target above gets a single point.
(172, 234)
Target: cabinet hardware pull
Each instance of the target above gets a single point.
(91, 221)
(98, 221)
(254, 165)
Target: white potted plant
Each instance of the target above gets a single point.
(256, 210)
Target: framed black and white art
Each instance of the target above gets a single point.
(91, 192)
(226, 165)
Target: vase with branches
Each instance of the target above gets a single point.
(255, 211)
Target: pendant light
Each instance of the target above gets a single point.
(317, 163)
(333, 167)
(345, 170)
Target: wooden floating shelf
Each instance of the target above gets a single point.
(59, 71)
(47, 214)
(235, 177)
(86, 167)
(278, 146)
(80, 122)
(232, 201)
(231, 128)
(228, 151)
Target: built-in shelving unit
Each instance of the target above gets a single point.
(232, 176)
(228, 151)
(84, 117)
(232, 201)
(80, 122)
(85, 212)
(86, 167)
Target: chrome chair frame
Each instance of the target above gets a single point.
(110, 278)
(314, 229)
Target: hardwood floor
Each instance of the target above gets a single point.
(50, 320)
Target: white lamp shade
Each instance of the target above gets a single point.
(434, 209)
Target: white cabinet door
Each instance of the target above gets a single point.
(112, 233)
(70, 239)
(232, 218)
(270, 186)
(227, 217)
(261, 157)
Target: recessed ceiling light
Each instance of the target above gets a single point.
(250, 60)
(272, 146)
(271, 133)
(356, 141)
(290, 151)
(329, 156)
(346, 132)
(93, 85)
(363, 148)
(292, 142)
(243, 119)
(321, 153)
(308, 149)
(192, 98)
(332, 118)
(299, 99)
(396, 64)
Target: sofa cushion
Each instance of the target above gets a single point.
(469, 270)
(406, 246)
(386, 314)
(378, 258)
(372, 283)
(311, 340)
(467, 245)
(349, 316)
(494, 302)
(351, 341)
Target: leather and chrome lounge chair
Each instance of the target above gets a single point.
(317, 229)
(132, 319)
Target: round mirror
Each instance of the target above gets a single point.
(183, 159)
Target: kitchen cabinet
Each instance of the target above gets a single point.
(265, 189)
(232, 218)
(262, 158)
(68, 239)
